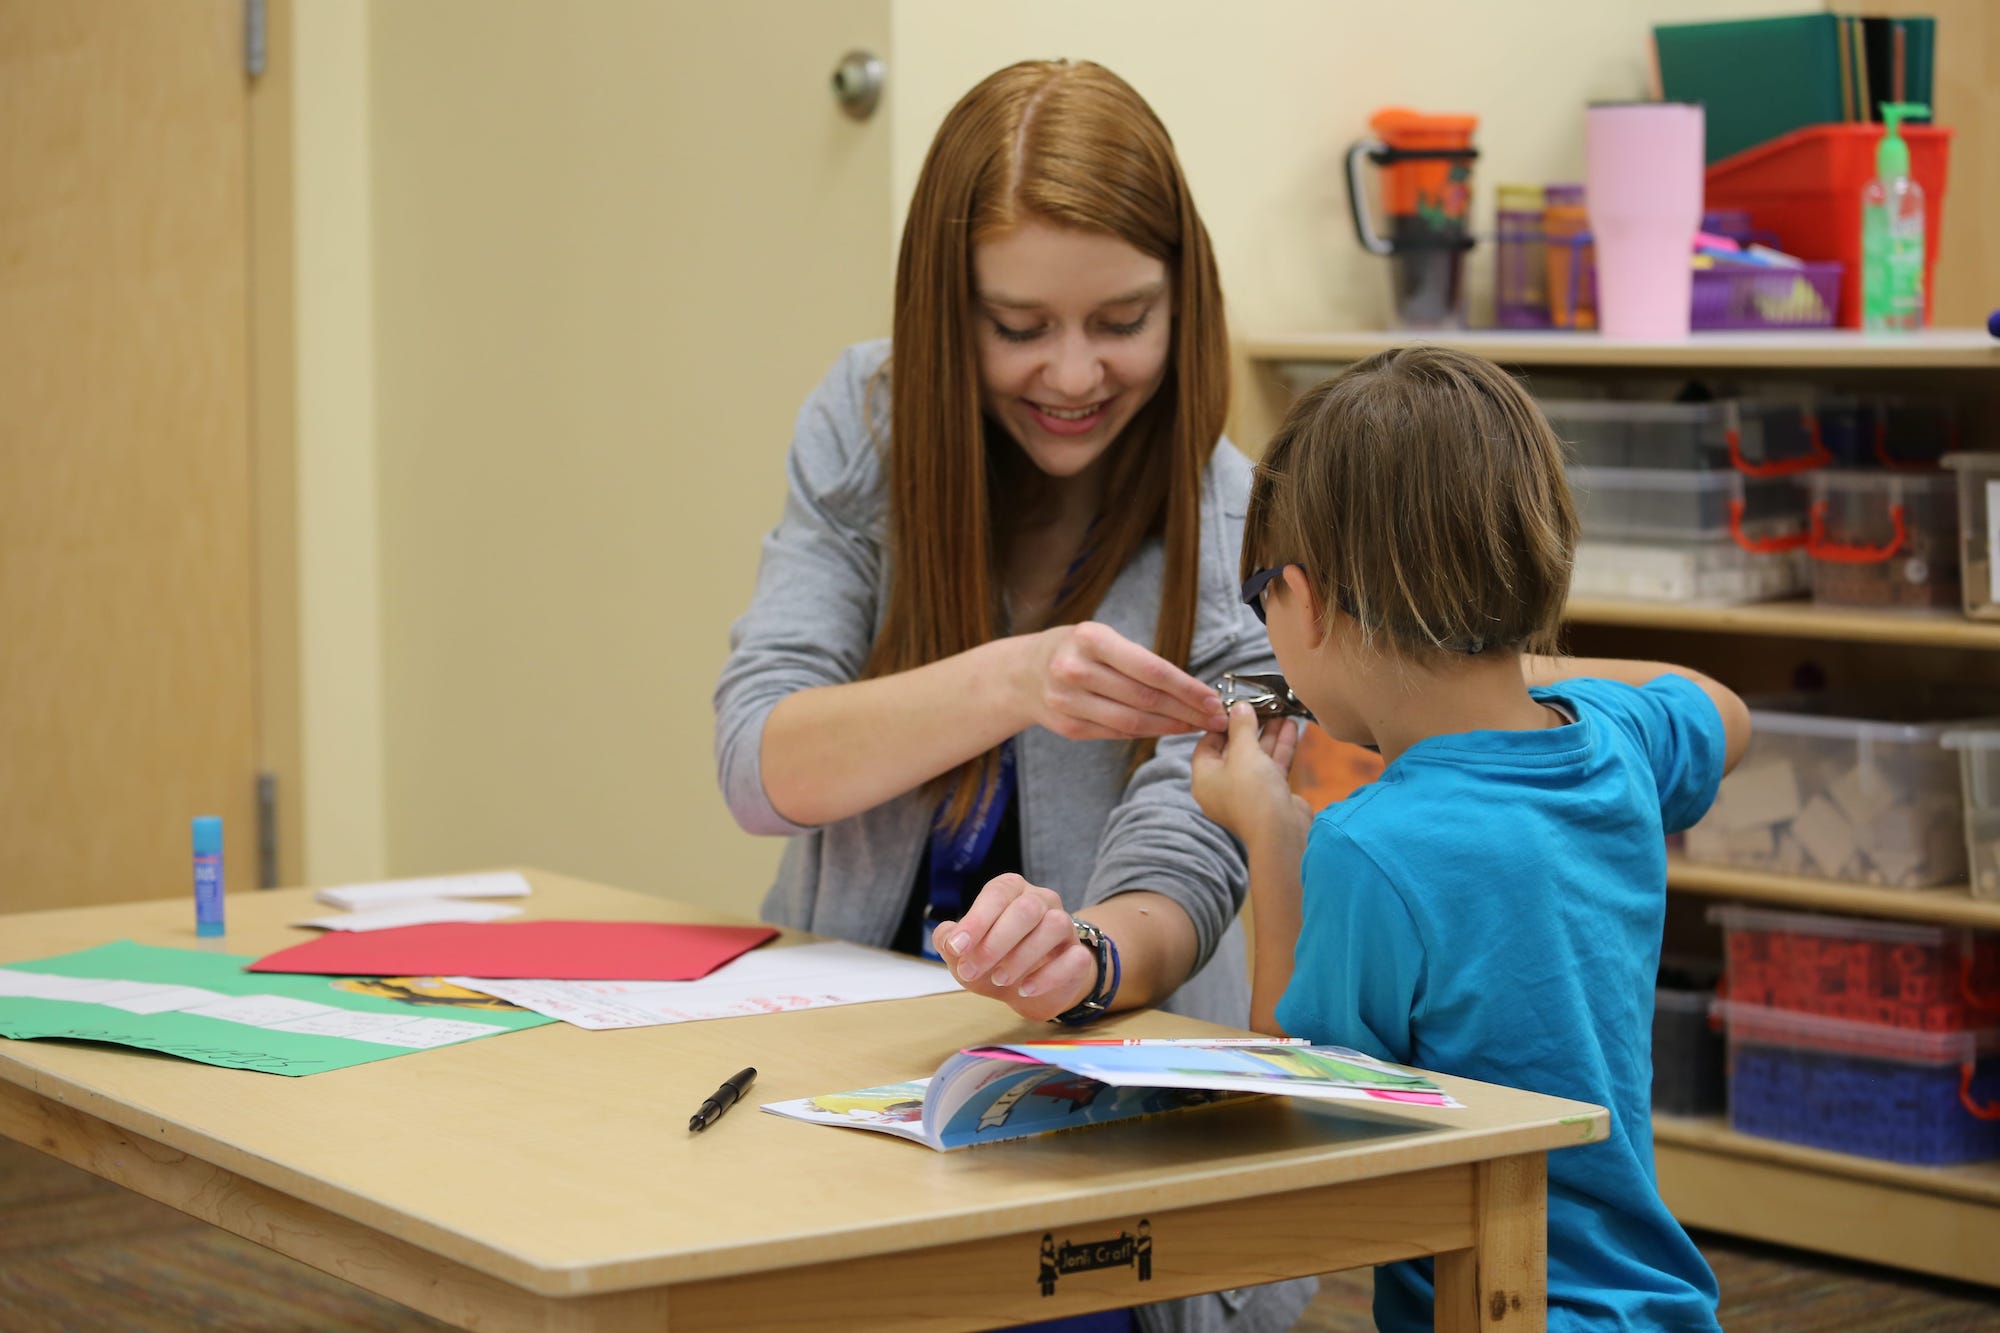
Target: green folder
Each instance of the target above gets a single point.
(1755, 78)
(1920, 60)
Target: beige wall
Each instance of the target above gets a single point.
(615, 245)
(1263, 99)
(340, 614)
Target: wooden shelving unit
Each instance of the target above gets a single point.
(1979, 1182)
(1795, 620)
(1954, 906)
(1940, 1220)
(1930, 1219)
(1822, 349)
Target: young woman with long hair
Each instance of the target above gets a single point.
(985, 630)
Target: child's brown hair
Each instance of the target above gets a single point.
(1423, 493)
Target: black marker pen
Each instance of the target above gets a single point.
(721, 1100)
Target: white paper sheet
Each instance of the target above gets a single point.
(421, 913)
(763, 981)
(355, 897)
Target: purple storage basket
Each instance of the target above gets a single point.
(1730, 296)
(1740, 297)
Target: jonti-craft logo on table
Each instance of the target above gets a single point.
(1124, 1250)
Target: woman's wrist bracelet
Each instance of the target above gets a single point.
(1104, 990)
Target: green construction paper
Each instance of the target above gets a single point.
(220, 1041)
(1755, 78)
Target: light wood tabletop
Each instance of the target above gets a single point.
(546, 1178)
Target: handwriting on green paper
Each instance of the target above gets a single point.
(261, 1061)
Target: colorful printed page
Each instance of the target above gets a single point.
(986, 1100)
(992, 1093)
(1008, 1101)
(1290, 1069)
(203, 1006)
(895, 1108)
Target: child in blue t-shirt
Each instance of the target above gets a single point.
(1492, 905)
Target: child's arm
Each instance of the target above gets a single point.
(1240, 783)
(1274, 917)
(1735, 715)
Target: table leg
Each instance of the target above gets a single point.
(1500, 1285)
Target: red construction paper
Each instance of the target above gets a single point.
(548, 950)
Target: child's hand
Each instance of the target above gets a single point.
(1240, 778)
(1016, 945)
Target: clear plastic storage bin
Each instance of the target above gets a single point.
(1712, 571)
(1666, 504)
(1847, 786)
(1978, 532)
(1756, 436)
(1979, 774)
(1926, 1098)
(1884, 538)
(1687, 1043)
(1912, 975)
(1883, 431)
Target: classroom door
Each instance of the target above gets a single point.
(126, 648)
(616, 245)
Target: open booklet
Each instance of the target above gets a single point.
(988, 1093)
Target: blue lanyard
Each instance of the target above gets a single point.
(957, 854)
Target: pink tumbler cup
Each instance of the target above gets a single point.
(1642, 186)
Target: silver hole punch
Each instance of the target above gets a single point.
(1267, 694)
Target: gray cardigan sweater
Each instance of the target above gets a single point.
(1088, 831)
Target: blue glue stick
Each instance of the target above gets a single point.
(207, 876)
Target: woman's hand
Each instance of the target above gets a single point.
(1239, 778)
(1016, 945)
(1088, 682)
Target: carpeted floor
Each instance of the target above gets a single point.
(78, 1255)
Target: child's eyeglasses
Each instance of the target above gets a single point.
(1253, 590)
(1253, 597)
(1255, 586)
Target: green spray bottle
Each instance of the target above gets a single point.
(1892, 231)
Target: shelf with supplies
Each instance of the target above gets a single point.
(1961, 362)
(1930, 1219)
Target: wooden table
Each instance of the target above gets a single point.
(546, 1179)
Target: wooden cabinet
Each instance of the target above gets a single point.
(1937, 1220)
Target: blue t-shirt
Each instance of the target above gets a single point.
(1492, 907)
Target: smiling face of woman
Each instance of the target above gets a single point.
(1073, 330)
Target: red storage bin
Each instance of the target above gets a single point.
(1897, 974)
(1805, 187)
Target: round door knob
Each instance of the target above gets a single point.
(857, 83)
